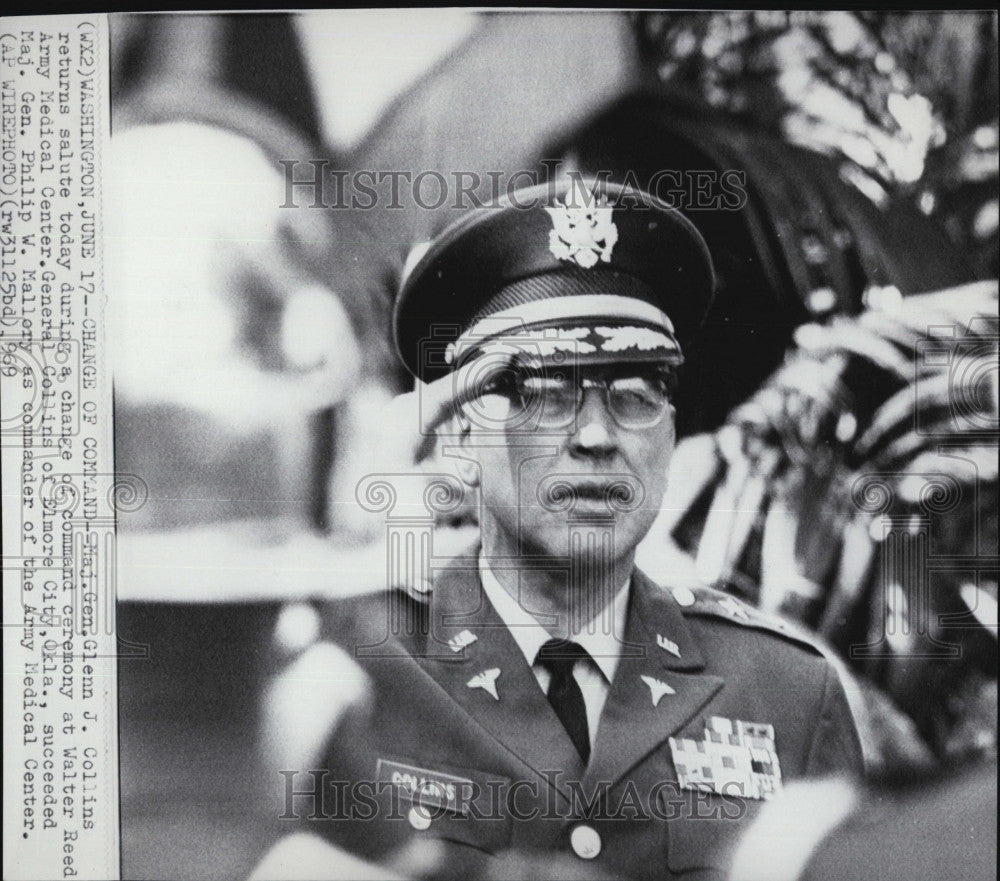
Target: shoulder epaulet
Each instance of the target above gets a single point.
(708, 601)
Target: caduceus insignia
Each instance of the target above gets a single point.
(583, 230)
(657, 689)
(487, 681)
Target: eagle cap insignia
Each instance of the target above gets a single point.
(583, 230)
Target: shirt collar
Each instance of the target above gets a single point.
(602, 643)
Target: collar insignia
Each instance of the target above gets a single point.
(487, 681)
(668, 645)
(657, 688)
(463, 639)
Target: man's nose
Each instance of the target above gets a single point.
(594, 434)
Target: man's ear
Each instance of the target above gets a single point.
(466, 463)
(468, 471)
(672, 421)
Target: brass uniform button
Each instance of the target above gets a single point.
(586, 842)
(419, 818)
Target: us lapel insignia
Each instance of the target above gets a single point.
(463, 639)
(487, 681)
(657, 688)
(734, 758)
(668, 645)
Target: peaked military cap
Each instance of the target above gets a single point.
(580, 268)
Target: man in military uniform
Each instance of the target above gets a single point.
(546, 699)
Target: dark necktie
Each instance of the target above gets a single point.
(558, 657)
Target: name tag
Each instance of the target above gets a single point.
(425, 786)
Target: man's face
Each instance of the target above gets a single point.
(536, 481)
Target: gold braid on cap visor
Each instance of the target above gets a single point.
(583, 324)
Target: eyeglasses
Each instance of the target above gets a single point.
(554, 399)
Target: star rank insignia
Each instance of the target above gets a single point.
(735, 609)
(463, 639)
(487, 681)
(733, 758)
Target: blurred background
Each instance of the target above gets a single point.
(838, 418)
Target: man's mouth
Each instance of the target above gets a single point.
(605, 493)
(608, 494)
(591, 490)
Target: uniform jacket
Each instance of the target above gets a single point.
(491, 773)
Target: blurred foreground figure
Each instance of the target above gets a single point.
(226, 341)
(546, 710)
(827, 830)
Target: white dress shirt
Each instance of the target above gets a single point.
(601, 637)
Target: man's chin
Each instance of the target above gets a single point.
(585, 541)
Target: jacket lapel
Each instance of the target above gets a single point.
(632, 725)
(519, 717)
